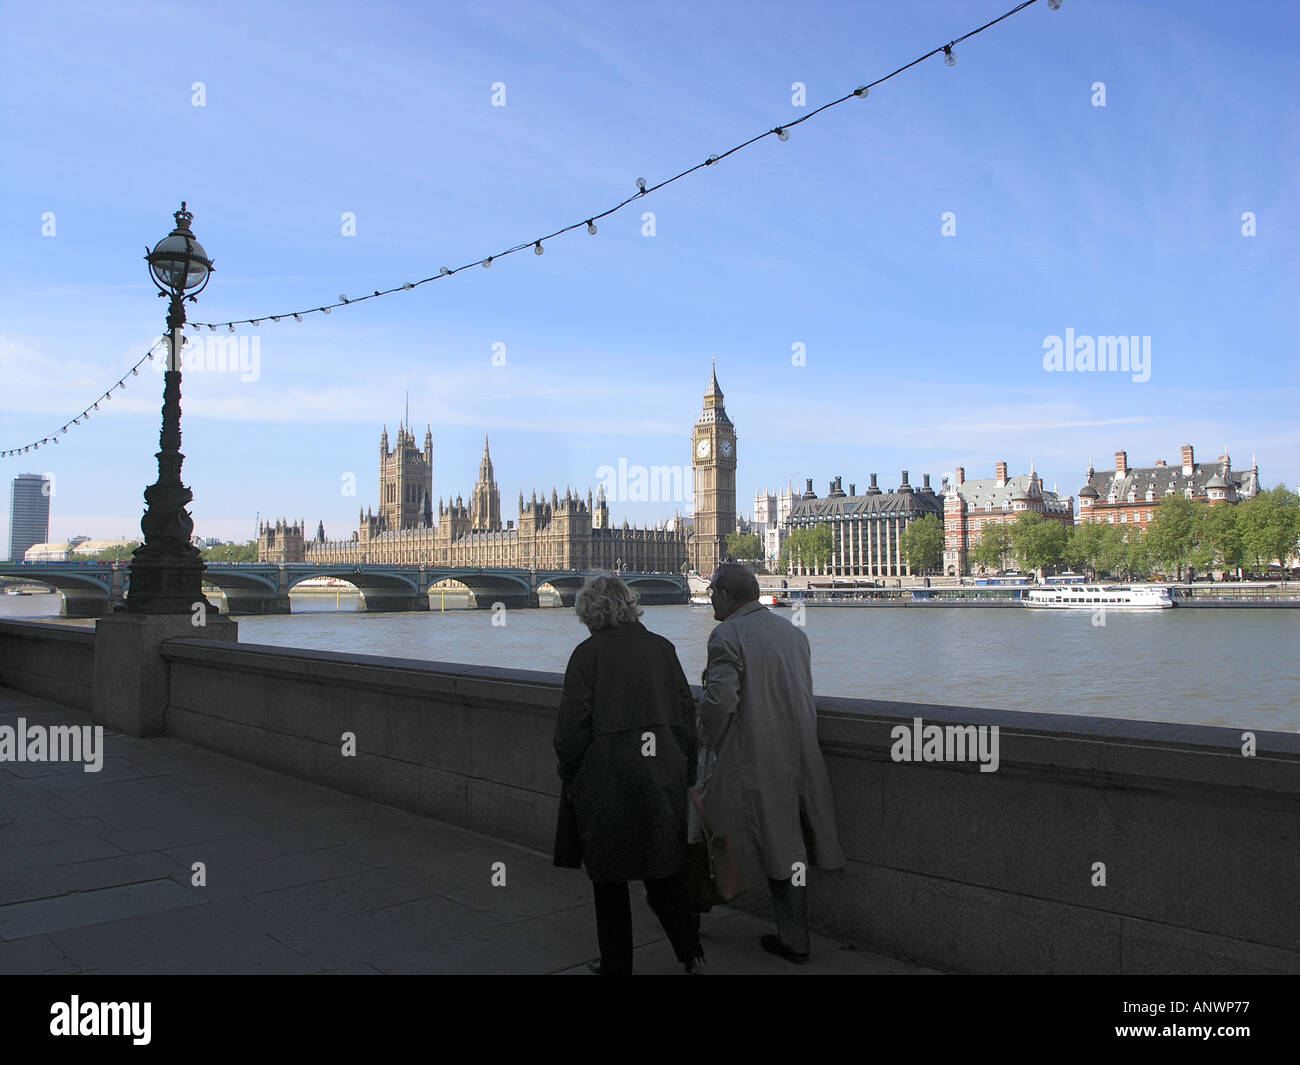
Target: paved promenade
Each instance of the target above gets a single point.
(96, 876)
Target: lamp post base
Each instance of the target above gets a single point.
(163, 585)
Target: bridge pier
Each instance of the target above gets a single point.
(244, 603)
(661, 598)
(520, 600)
(376, 602)
(79, 606)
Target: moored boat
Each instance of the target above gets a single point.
(1099, 597)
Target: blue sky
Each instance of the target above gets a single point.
(923, 351)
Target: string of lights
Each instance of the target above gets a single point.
(53, 438)
(781, 132)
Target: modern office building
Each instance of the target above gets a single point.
(29, 513)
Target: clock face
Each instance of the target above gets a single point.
(702, 448)
(727, 449)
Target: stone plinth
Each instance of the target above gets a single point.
(131, 676)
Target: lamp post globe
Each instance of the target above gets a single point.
(166, 575)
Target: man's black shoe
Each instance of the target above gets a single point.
(773, 945)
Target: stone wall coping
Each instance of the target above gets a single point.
(49, 631)
(1104, 751)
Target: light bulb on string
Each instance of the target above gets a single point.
(861, 92)
(487, 262)
(782, 134)
(444, 272)
(948, 58)
(342, 298)
(1055, 5)
(591, 227)
(275, 319)
(231, 326)
(325, 310)
(408, 286)
(640, 184)
(537, 248)
(297, 317)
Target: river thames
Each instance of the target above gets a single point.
(1236, 668)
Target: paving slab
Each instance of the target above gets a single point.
(97, 876)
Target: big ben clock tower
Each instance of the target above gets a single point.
(713, 458)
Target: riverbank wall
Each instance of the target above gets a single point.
(1095, 846)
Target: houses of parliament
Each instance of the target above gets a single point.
(564, 532)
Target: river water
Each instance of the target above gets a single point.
(1213, 667)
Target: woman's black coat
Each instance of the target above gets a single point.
(627, 747)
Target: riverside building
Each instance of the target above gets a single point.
(971, 506)
(866, 528)
(1129, 495)
(564, 532)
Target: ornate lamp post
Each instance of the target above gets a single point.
(167, 569)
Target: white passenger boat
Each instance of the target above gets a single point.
(1098, 596)
(701, 600)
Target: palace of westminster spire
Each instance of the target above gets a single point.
(566, 532)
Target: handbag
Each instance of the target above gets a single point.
(712, 866)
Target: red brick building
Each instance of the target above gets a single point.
(969, 507)
(1129, 495)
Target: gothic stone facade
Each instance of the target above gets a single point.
(566, 532)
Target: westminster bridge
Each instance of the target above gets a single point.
(93, 589)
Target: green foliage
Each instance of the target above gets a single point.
(1037, 542)
(993, 551)
(1176, 537)
(1223, 534)
(231, 552)
(745, 546)
(922, 544)
(810, 548)
(1270, 527)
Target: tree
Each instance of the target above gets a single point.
(810, 548)
(231, 552)
(1271, 527)
(1176, 537)
(922, 544)
(1115, 551)
(993, 550)
(1223, 534)
(1136, 555)
(1083, 548)
(744, 545)
(1037, 542)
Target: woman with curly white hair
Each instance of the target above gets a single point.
(627, 749)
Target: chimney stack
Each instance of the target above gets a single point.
(925, 482)
(853, 489)
(961, 474)
(1002, 474)
(1121, 463)
(1189, 460)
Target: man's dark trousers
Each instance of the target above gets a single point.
(668, 900)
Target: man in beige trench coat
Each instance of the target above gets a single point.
(768, 783)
